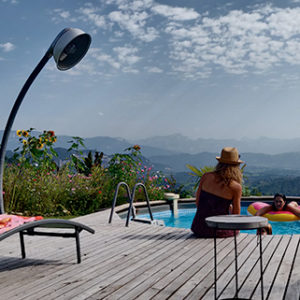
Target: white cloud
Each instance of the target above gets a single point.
(127, 55)
(11, 1)
(122, 58)
(194, 44)
(61, 15)
(238, 41)
(135, 23)
(176, 13)
(7, 47)
(91, 14)
(154, 70)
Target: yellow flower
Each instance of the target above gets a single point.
(25, 133)
(24, 142)
(53, 140)
(40, 146)
(19, 132)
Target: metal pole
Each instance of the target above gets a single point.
(236, 266)
(261, 266)
(11, 119)
(215, 250)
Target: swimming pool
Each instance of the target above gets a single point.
(185, 217)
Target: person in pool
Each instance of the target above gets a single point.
(280, 204)
(219, 193)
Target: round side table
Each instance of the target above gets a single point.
(237, 222)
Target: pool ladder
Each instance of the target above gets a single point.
(131, 208)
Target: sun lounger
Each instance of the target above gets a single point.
(28, 226)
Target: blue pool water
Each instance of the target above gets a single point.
(185, 217)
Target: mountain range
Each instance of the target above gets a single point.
(272, 164)
(177, 143)
(171, 153)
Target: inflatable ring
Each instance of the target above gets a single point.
(280, 216)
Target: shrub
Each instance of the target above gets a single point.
(34, 185)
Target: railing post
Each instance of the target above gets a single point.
(115, 198)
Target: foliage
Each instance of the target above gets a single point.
(199, 173)
(34, 185)
(36, 150)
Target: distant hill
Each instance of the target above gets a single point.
(183, 144)
(107, 145)
(176, 143)
(177, 162)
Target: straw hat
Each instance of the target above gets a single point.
(229, 155)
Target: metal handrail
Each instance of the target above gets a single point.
(115, 198)
(130, 208)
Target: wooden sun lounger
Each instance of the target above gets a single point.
(29, 228)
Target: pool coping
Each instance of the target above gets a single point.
(160, 205)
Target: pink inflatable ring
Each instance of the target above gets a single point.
(281, 216)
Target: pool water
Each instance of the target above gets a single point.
(185, 217)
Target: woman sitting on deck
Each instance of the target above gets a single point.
(219, 193)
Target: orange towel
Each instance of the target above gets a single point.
(8, 222)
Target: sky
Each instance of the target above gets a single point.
(199, 68)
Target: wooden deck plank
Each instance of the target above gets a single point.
(190, 273)
(203, 263)
(136, 261)
(249, 270)
(143, 262)
(110, 255)
(63, 255)
(205, 283)
(226, 280)
(293, 288)
(151, 271)
(137, 267)
(284, 271)
(271, 269)
(94, 250)
(198, 248)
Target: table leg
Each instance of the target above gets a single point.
(215, 253)
(261, 266)
(236, 266)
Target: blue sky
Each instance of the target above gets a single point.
(210, 69)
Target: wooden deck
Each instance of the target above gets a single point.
(146, 262)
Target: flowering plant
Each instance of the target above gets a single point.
(38, 150)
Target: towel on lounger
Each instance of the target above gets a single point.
(8, 222)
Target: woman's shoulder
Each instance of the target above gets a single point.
(235, 186)
(208, 176)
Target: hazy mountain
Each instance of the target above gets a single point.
(176, 143)
(183, 144)
(107, 145)
(177, 162)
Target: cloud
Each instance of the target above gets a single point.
(192, 43)
(176, 13)
(7, 47)
(135, 23)
(154, 70)
(121, 58)
(238, 41)
(61, 15)
(127, 55)
(91, 14)
(11, 1)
